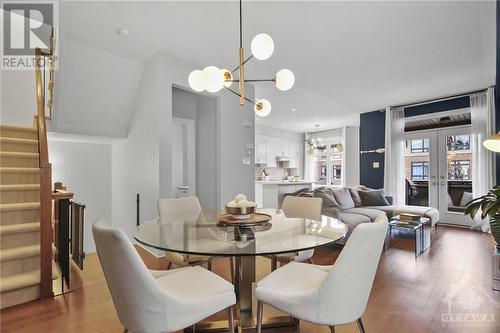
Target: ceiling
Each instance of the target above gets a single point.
(348, 57)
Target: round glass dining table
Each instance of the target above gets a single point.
(201, 233)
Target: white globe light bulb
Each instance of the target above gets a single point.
(227, 76)
(196, 80)
(284, 79)
(214, 79)
(262, 46)
(262, 107)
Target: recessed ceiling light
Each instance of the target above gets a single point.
(293, 110)
(123, 32)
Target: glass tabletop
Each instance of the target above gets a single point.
(199, 232)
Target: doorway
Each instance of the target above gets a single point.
(183, 158)
(438, 171)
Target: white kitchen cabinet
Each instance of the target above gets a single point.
(260, 149)
(272, 150)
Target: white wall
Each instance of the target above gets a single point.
(278, 132)
(143, 163)
(95, 90)
(351, 155)
(18, 106)
(85, 168)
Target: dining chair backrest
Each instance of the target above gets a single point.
(302, 207)
(188, 207)
(139, 301)
(344, 294)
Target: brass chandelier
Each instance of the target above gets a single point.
(213, 79)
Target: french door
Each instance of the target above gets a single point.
(438, 171)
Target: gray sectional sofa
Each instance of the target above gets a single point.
(360, 204)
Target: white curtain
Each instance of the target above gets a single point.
(482, 108)
(394, 170)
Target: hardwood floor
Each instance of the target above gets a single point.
(408, 295)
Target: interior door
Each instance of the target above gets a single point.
(455, 174)
(421, 169)
(183, 158)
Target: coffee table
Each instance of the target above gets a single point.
(420, 231)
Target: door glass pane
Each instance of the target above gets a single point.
(320, 168)
(459, 172)
(417, 172)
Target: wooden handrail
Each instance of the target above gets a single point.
(45, 180)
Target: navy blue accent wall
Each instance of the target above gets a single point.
(451, 104)
(372, 136)
(497, 93)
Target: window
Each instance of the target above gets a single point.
(459, 170)
(328, 162)
(458, 142)
(419, 146)
(419, 170)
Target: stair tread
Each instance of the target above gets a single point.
(17, 128)
(20, 252)
(19, 206)
(18, 170)
(20, 187)
(18, 154)
(19, 228)
(18, 140)
(23, 280)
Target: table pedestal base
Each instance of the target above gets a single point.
(245, 319)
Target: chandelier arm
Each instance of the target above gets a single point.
(237, 94)
(253, 80)
(244, 62)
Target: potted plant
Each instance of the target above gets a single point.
(490, 206)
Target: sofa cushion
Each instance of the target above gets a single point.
(343, 198)
(368, 212)
(355, 195)
(327, 196)
(429, 212)
(373, 198)
(386, 209)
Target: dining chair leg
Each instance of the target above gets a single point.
(332, 329)
(169, 265)
(231, 268)
(209, 264)
(260, 310)
(230, 318)
(310, 261)
(360, 325)
(274, 263)
(125, 330)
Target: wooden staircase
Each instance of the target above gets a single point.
(19, 215)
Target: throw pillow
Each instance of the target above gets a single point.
(343, 198)
(328, 199)
(374, 198)
(355, 195)
(466, 197)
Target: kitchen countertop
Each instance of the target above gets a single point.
(282, 182)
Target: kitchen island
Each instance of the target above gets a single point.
(272, 192)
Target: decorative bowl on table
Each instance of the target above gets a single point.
(240, 213)
(240, 208)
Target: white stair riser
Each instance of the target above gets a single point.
(19, 196)
(19, 134)
(12, 240)
(19, 216)
(10, 178)
(19, 266)
(19, 296)
(19, 147)
(19, 162)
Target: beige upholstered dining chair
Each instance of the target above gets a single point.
(182, 207)
(328, 295)
(157, 301)
(300, 207)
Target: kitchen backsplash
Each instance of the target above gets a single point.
(275, 173)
